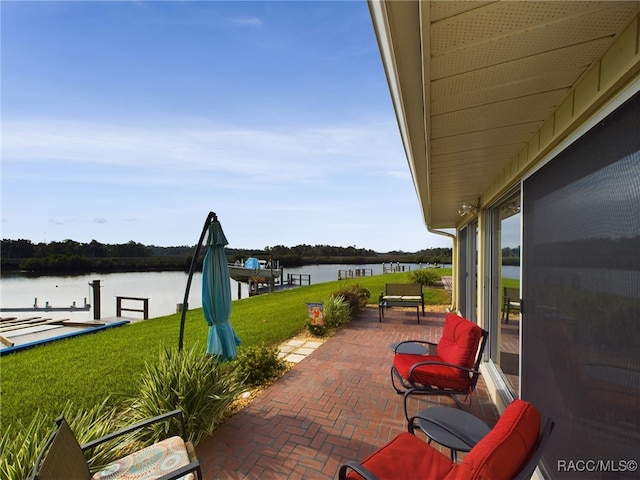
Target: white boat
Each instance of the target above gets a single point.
(255, 271)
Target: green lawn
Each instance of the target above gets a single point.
(89, 368)
(511, 283)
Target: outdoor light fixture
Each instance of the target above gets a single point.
(468, 208)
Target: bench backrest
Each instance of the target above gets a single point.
(513, 294)
(403, 289)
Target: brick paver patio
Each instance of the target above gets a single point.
(335, 405)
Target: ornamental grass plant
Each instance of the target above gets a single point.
(355, 295)
(197, 384)
(336, 311)
(427, 277)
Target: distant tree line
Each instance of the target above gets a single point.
(511, 256)
(327, 254)
(70, 256)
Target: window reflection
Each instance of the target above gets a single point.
(509, 261)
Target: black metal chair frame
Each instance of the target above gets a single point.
(192, 467)
(527, 471)
(409, 387)
(509, 303)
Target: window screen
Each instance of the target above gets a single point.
(581, 289)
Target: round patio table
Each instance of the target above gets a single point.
(450, 427)
(411, 348)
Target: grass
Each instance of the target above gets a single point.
(511, 283)
(108, 365)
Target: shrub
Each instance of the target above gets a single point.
(317, 330)
(336, 311)
(258, 365)
(194, 382)
(426, 277)
(355, 295)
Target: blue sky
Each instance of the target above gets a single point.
(132, 120)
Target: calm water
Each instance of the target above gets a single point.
(165, 290)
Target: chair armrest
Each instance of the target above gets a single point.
(444, 364)
(356, 467)
(131, 428)
(424, 342)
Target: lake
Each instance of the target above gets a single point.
(165, 290)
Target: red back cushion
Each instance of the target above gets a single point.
(502, 453)
(459, 342)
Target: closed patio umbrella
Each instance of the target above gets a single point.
(216, 292)
(216, 296)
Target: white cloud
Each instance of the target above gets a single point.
(258, 155)
(248, 21)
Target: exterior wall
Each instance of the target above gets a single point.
(619, 68)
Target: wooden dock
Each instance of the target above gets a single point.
(354, 273)
(298, 279)
(19, 333)
(395, 268)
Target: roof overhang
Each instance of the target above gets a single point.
(473, 81)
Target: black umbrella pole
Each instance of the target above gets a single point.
(212, 217)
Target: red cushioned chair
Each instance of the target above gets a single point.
(511, 450)
(453, 370)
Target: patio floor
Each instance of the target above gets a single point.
(335, 405)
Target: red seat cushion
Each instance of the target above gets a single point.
(436, 375)
(502, 453)
(406, 457)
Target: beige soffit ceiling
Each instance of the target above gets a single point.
(496, 71)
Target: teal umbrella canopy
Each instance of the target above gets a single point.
(216, 296)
